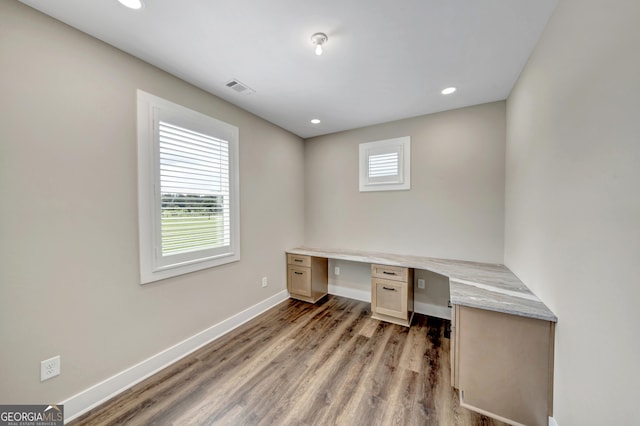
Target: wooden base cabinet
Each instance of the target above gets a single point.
(392, 294)
(307, 277)
(502, 365)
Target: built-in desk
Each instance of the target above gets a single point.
(478, 285)
(502, 335)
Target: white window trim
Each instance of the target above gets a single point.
(149, 207)
(402, 181)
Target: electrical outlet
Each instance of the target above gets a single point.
(265, 282)
(420, 283)
(336, 270)
(49, 368)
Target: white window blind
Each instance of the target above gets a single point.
(382, 165)
(188, 190)
(194, 187)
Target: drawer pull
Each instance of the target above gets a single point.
(298, 273)
(388, 288)
(388, 273)
(297, 260)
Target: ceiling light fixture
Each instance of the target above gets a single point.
(315, 121)
(132, 4)
(319, 39)
(448, 90)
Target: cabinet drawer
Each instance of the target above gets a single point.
(297, 259)
(390, 298)
(395, 273)
(299, 279)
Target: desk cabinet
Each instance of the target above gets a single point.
(392, 294)
(307, 277)
(502, 365)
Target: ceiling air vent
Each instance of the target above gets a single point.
(239, 87)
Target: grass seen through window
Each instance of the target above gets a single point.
(191, 222)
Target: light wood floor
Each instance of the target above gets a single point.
(303, 364)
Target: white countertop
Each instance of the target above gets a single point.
(479, 285)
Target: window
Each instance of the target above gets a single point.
(385, 165)
(187, 190)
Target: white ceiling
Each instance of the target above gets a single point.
(385, 60)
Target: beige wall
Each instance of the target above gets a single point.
(68, 221)
(573, 203)
(455, 208)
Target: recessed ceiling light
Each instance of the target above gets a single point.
(448, 90)
(132, 4)
(315, 121)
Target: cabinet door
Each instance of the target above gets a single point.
(299, 280)
(454, 347)
(389, 298)
(503, 365)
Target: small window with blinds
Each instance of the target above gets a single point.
(385, 165)
(188, 186)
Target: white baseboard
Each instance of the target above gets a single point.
(351, 293)
(552, 422)
(431, 310)
(107, 389)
